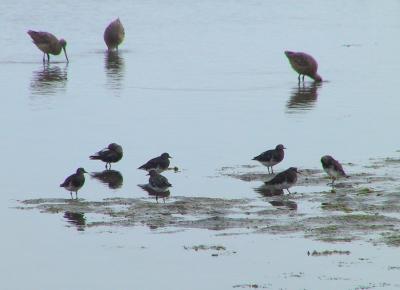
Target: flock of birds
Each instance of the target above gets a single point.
(303, 63)
(159, 184)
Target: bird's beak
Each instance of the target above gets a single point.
(65, 52)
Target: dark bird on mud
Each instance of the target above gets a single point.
(156, 193)
(112, 178)
(159, 164)
(158, 182)
(114, 34)
(333, 168)
(74, 182)
(48, 44)
(271, 157)
(111, 154)
(304, 64)
(284, 179)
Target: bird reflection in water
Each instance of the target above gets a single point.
(303, 97)
(76, 219)
(164, 194)
(269, 192)
(49, 80)
(114, 64)
(112, 178)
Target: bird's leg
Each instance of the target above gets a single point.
(48, 58)
(76, 195)
(71, 194)
(298, 78)
(44, 59)
(164, 199)
(303, 78)
(272, 170)
(288, 190)
(157, 198)
(268, 169)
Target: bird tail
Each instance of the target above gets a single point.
(94, 157)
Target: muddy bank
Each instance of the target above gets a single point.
(362, 207)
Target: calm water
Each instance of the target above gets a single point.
(207, 82)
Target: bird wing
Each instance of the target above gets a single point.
(152, 163)
(265, 156)
(278, 179)
(338, 167)
(67, 181)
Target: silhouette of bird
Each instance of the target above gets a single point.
(304, 64)
(158, 182)
(111, 154)
(159, 163)
(114, 34)
(284, 179)
(48, 44)
(271, 157)
(112, 178)
(74, 182)
(333, 168)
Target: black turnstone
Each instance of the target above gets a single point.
(159, 163)
(332, 167)
(304, 64)
(158, 182)
(271, 157)
(283, 180)
(111, 154)
(75, 181)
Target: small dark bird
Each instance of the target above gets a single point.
(111, 154)
(271, 157)
(48, 44)
(333, 168)
(114, 34)
(159, 163)
(284, 179)
(304, 64)
(74, 182)
(158, 182)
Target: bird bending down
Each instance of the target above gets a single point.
(304, 64)
(158, 182)
(159, 164)
(271, 157)
(333, 168)
(48, 44)
(283, 180)
(114, 34)
(111, 154)
(74, 182)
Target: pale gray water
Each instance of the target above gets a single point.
(207, 82)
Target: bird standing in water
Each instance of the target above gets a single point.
(333, 168)
(48, 44)
(113, 153)
(114, 34)
(283, 180)
(271, 157)
(304, 64)
(159, 164)
(75, 181)
(158, 182)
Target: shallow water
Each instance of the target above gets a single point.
(207, 82)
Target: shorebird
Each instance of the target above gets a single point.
(271, 157)
(114, 34)
(111, 154)
(75, 181)
(333, 168)
(304, 64)
(158, 182)
(283, 180)
(48, 43)
(159, 164)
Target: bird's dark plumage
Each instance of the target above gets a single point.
(159, 164)
(332, 167)
(114, 34)
(284, 179)
(48, 43)
(157, 181)
(113, 153)
(271, 157)
(75, 181)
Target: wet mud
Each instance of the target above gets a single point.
(362, 207)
